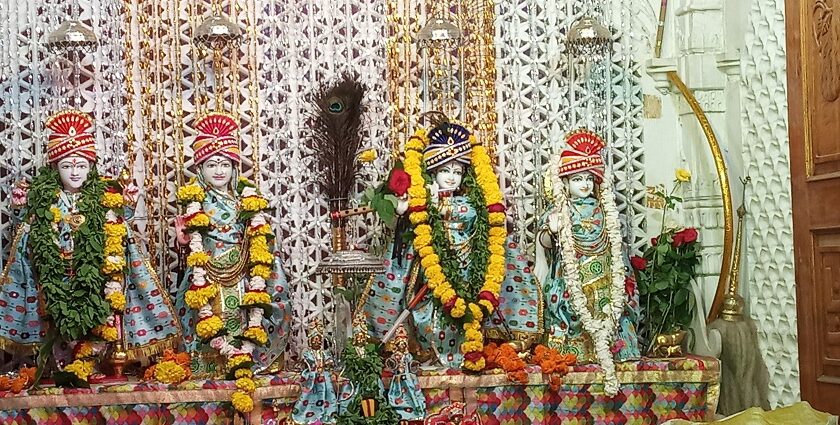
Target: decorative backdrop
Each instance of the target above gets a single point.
(147, 82)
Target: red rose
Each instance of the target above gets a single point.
(689, 235)
(399, 182)
(638, 263)
(654, 241)
(448, 306)
(685, 236)
(496, 208)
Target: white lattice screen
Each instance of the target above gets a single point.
(147, 82)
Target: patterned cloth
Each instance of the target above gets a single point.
(404, 393)
(225, 244)
(387, 293)
(318, 401)
(149, 321)
(563, 327)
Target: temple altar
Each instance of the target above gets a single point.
(652, 391)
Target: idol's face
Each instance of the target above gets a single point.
(581, 185)
(217, 171)
(449, 176)
(73, 171)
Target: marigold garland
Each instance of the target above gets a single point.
(506, 358)
(172, 368)
(457, 304)
(201, 292)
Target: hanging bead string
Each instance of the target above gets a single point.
(199, 82)
(176, 75)
(160, 136)
(254, 89)
(147, 58)
(36, 99)
(128, 96)
(234, 68)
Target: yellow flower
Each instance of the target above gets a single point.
(682, 175)
(261, 270)
(81, 368)
(198, 259)
(197, 298)
(107, 333)
(473, 141)
(246, 384)
(416, 191)
(415, 143)
(115, 230)
(459, 309)
(473, 325)
(251, 298)
(243, 373)
(497, 231)
(496, 218)
(476, 312)
(257, 334)
(190, 193)
(242, 402)
(487, 305)
(262, 230)
(421, 241)
(429, 261)
(56, 214)
(448, 294)
(198, 221)
(238, 360)
(254, 203)
(472, 335)
(117, 301)
(261, 256)
(475, 366)
(495, 247)
(169, 372)
(209, 327)
(110, 267)
(470, 346)
(112, 200)
(419, 217)
(368, 156)
(113, 246)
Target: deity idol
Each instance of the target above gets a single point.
(318, 401)
(234, 298)
(404, 393)
(591, 301)
(460, 253)
(75, 272)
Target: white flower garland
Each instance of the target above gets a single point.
(602, 331)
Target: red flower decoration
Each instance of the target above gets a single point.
(399, 182)
(638, 263)
(684, 237)
(473, 356)
(489, 296)
(449, 305)
(654, 241)
(496, 208)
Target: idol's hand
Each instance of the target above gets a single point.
(554, 222)
(182, 236)
(402, 204)
(434, 190)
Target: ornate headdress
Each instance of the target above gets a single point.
(316, 328)
(70, 136)
(583, 154)
(215, 137)
(400, 340)
(447, 142)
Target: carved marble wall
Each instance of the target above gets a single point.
(769, 236)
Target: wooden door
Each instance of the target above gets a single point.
(813, 70)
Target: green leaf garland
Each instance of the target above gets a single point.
(75, 305)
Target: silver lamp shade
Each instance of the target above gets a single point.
(350, 261)
(72, 37)
(590, 39)
(217, 32)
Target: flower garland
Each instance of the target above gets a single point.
(114, 263)
(256, 300)
(602, 331)
(456, 301)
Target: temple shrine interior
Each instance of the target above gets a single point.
(414, 212)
